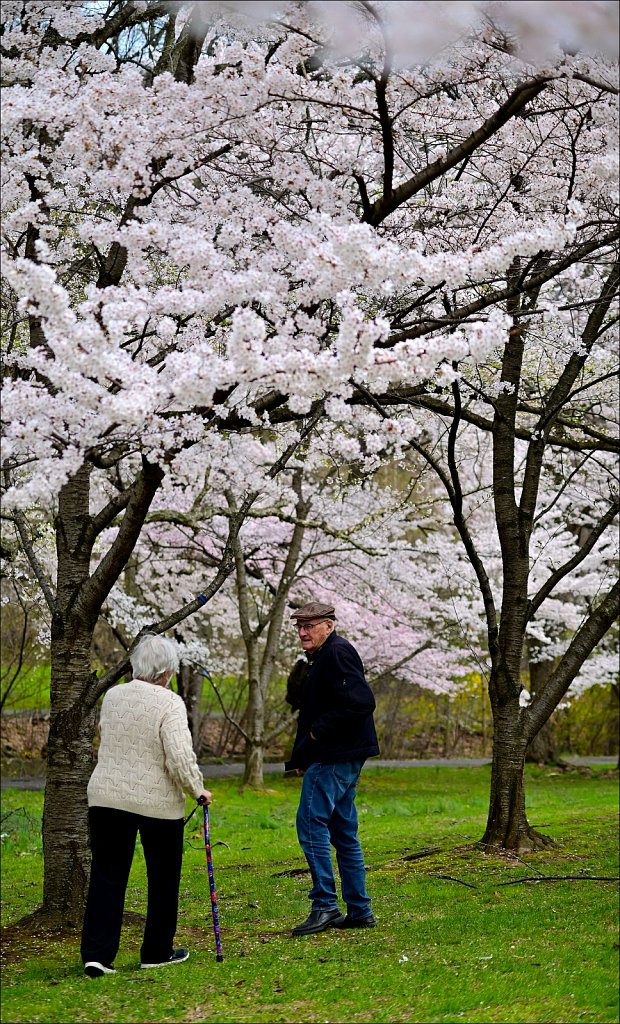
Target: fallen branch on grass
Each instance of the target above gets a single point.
(563, 878)
(428, 851)
(291, 873)
(450, 878)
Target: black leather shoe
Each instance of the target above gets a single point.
(319, 921)
(356, 922)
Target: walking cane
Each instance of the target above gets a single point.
(219, 956)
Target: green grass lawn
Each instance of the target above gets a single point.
(442, 951)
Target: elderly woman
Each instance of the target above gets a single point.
(146, 762)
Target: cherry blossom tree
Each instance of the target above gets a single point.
(314, 531)
(353, 549)
(218, 226)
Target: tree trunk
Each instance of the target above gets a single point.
(508, 829)
(189, 685)
(70, 761)
(255, 751)
(616, 691)
(254, 760)
(73, 690)
(483, 715)
(260, 669)
(73, 720)
(541, 749)
(447, 746)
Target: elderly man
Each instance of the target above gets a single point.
(335, 735)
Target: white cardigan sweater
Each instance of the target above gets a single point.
(146, 759)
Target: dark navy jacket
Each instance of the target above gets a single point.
(336, 706)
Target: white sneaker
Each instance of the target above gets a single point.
(94, 969)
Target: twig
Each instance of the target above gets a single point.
(16, 810)
(427, 852)
(227, 716)
(511, 855)
(564, 878)
(291, 873)
(450, 878)
(44, 582)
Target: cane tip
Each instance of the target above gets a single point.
(220, 958)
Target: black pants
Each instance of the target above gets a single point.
(113, 839)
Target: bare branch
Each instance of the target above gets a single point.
(225, 711)
(451, 878)
(589, 634)
(43, 579)
(399, 664)
(562, 878)
(492, 298)
(98, 586)
(563, 571)
(514, 105)
(596, 83)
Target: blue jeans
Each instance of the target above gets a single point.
(327, 815)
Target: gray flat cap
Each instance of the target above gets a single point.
(314, 610)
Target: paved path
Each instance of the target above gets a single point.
(225, 771)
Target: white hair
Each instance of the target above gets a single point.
(153, 656)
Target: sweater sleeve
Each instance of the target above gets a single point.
(181, 763)
(351, 699)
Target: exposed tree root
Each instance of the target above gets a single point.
(41, 921)
(567, 766)
(526, 841)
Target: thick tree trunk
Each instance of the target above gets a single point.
(73, 705)
(508, 829)
(70, 755)
(70, 761)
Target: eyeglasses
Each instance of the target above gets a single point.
(309, 625)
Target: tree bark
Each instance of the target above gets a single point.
(255, 748)
(70, 761)
(541, 748)
(508, 829)
(189, 684)
(70, 754)
(254, 760)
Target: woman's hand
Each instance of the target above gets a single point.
(205, 798)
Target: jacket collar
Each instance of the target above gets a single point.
(312, 656)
